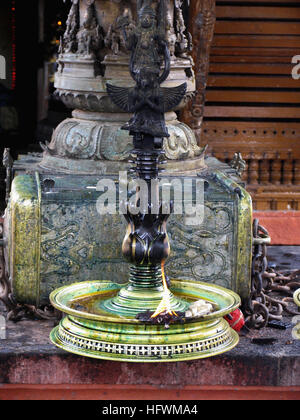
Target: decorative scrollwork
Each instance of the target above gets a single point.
(201, 254)
(238, 164)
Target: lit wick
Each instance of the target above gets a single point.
(165, 305)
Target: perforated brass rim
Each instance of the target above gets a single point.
(209, 346)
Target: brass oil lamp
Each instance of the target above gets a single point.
(150, 319)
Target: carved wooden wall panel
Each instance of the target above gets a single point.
(252, 101)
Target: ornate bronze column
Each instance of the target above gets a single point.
(94, 51)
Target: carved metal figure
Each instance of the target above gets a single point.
(89, 36)
(148, 100)
(146, 41)
(114, 38)
(69, 38)
(184, 38)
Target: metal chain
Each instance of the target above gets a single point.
(265, 302)
(5, 288)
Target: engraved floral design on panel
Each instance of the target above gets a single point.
(203, 254)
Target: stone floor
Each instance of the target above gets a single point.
(28, 359)
(284, 257)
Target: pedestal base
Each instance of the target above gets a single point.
(191, 341)
(94, 143)
(90, 330)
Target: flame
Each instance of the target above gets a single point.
(164, 306)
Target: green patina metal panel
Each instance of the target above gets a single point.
(78, 244)
(24, 238)
(56, 237)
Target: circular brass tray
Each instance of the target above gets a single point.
(90, 330)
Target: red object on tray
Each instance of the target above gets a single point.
(236, 320)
